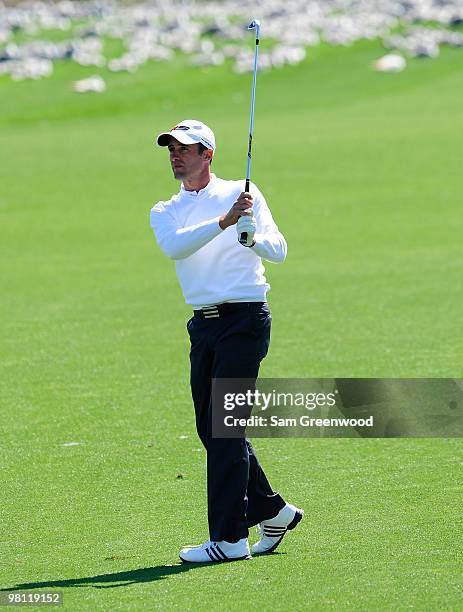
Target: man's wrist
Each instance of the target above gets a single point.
(222, 222)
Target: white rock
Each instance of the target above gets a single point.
(392, 62)
(91, 84)
(30, 68)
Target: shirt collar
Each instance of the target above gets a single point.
(201, 192)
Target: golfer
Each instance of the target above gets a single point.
(224, 283)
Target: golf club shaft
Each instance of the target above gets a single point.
(251, 121)
(244, 236)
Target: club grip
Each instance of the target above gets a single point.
(244, 235)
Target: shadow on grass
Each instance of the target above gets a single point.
(117, 579)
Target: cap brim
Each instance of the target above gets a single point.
(163, 139)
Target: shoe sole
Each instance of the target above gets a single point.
(246, 557)
(297, 518)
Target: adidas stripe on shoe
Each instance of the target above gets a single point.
(273, 530)
(216, 552)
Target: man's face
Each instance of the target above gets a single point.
(186, 161)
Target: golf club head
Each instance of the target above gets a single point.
(255, 25)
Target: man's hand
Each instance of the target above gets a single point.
(241, 208)
(248, 225)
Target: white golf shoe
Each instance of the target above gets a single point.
(216, 552)
(273, 530)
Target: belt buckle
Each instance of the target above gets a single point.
(211, 312)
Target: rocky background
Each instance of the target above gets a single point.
(212, 32)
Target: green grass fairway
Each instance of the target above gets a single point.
(363, 175)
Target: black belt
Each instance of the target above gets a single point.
(219, 310)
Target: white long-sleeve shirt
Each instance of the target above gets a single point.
(212, 266)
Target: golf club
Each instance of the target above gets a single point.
(254, 25)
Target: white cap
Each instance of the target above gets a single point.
(189, 131)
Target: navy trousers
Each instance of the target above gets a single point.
(231, 345)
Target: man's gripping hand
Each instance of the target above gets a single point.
(248, 225)
(241, 208)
